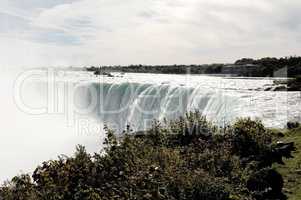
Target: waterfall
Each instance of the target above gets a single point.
(138, 104)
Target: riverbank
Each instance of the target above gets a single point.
(291, 171)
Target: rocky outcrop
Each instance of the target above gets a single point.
(288, 85)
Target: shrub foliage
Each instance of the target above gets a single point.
(188, 158)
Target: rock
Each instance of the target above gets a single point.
(294, 84)
(279, 151)
(268, 89)
(98, 72)
(265, 183)
(280, 134)
(292, 125)
(280, 88)
(285, 149)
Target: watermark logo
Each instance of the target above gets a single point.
(118, 101)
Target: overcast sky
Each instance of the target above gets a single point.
(109, 32)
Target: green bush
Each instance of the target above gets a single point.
(188, 158)
(266, 184)
(250, 138)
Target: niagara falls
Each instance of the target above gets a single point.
(150, 100)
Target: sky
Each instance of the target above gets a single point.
(35, 33)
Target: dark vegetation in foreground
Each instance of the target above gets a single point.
(264, 67)
(188, 158)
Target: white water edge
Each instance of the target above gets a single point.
(49, 112)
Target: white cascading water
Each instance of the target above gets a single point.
(137, 105)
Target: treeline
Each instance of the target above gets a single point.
(270, 66)
(272, 62)
(185, 159)
(164, 69)
(264, 67)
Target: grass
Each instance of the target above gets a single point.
(291, 171)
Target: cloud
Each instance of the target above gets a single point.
(152, 31)
(11, 23)
(38, 4)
